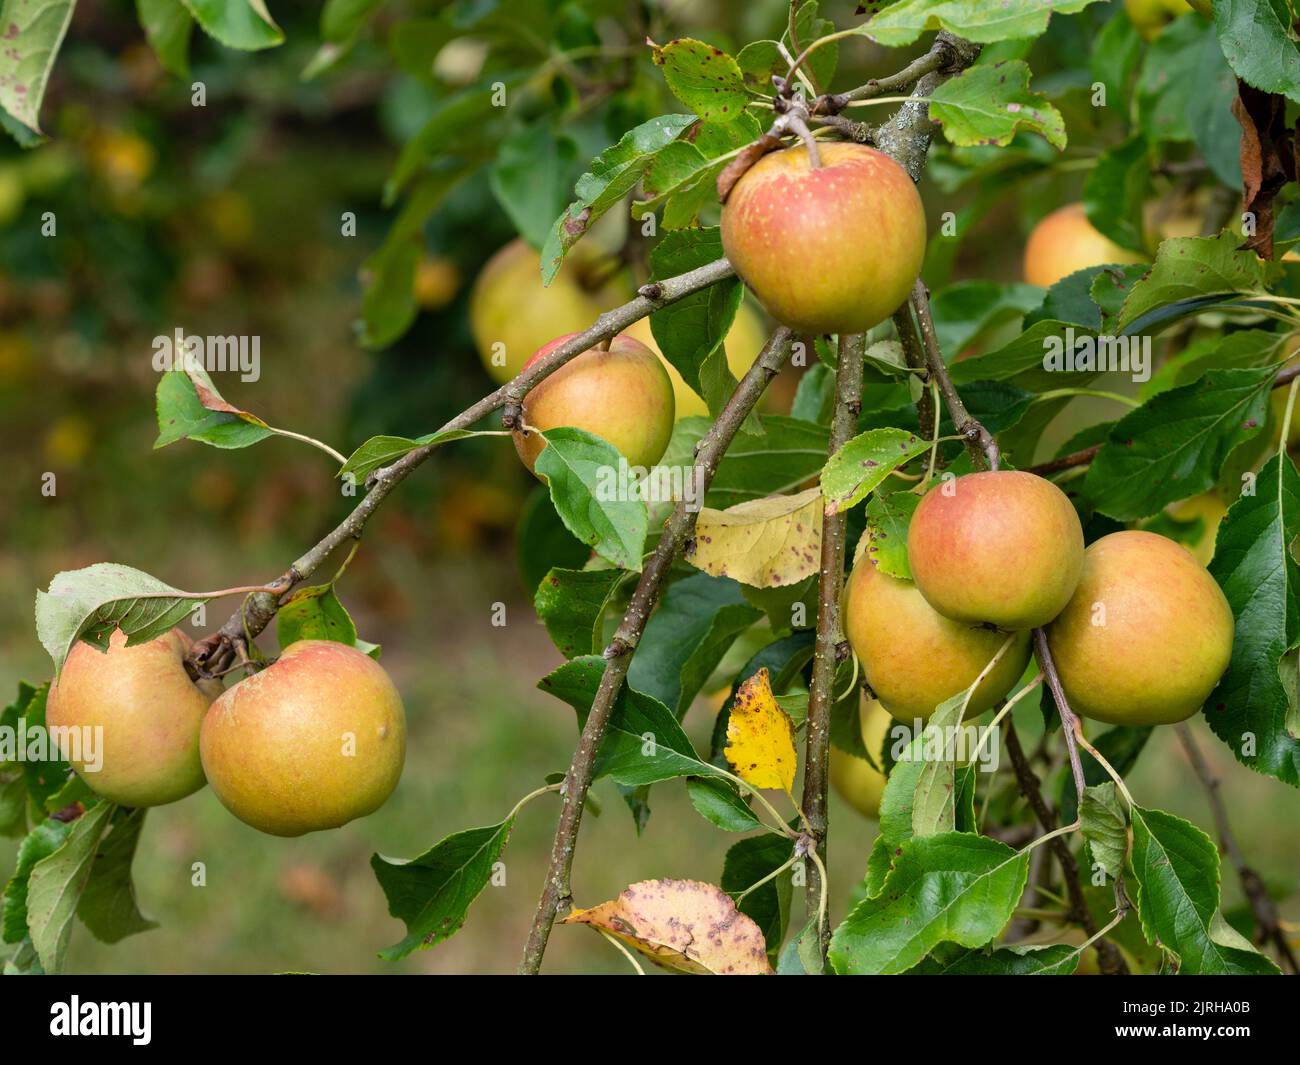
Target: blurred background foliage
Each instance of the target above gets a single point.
(227, 219)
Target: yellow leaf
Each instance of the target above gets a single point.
(765, 543)
(685, 925)
(760, 736)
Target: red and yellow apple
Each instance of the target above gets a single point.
(829, 249)
(623, 395)
(512, 314)
(914, 658)
(1146, 635)
(998, 548)
(1065, 242)
(147, 712)
(313, 741)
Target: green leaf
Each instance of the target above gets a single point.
(1120, 746)
(690, 332)
(577, 465)
(1176, 869)
(1187, 267)
(182, 415)
(242, 24)
(1116, 189)
(1105, 827)
(1255, 564)
(167, 26)
(317, 613)
(40, 843)
(571, 604)
(704, 78)
(934, 806)
(34, 31)
(1056, 959)
(108, 905)
(613, 174)
(810, 26)
(54, 889)
(949, 888)
(544, 543)
(719, 803)
(783, 457)
(861, 465)
(966, 309)
(431, 894)
(696, 623)
(43, 778)
(531, 178)
(1256, 38)
(643, 742)
(380, 451)
(746, 863)
(989, 103)
(1174, 445)
(976, 20)
(1186, 92)
(90, 603)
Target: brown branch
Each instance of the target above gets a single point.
(216, 651)
(1110, 960)
(914, 356)
(1069, 722)
(830, 646)
(906, 136)
(618, 655)
(979, 441)
(1066, 462)
(1268, 927)
(946, 51)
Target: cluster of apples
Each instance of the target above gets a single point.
(312, 741)
(1138, 630)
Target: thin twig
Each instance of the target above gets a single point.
(556, 892)
(215, 652)
(979, 441)
(1112, 962)
(1267, 926)
(1069, 723)
(830, 646)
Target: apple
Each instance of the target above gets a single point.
(1064, 242)
(312, 741)
(998, 548)
(915, 658)
(744, 340)
(623, 395)
(436, 282)
(855, 780)
(1146, 635)
(512, 314)
(148, 713)
(833, 249)
(1149, 17)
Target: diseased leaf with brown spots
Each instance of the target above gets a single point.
(760, 736)
(685, 925)
(765, 543)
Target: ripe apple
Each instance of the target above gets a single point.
(512, 314)
(998, 548)
(1147, 634)
(1149, 17)
(857, 781)
(745, 339)
(436, 282)
(915, 658)
(834, 249)
(314, 740)
(623, 395)
(149, 712)
(1065, 241)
